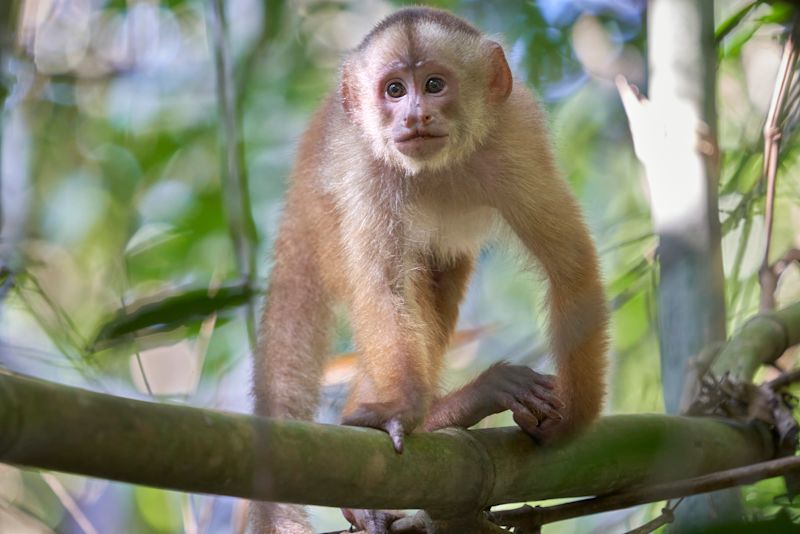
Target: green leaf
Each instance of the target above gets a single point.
(159, 508)
(170, 312)
(781, 13)
(734, 47)
(734, 20)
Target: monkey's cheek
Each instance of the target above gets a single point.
(421, 147)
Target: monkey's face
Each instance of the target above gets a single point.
(422, 97)
(416, 104)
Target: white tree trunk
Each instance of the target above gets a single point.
(674, 134)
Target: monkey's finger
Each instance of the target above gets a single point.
(523, 416)
(414, 524)
(529, 424)
(548, 425)
(395, 429)
(550, 431)
(547, 381)
(537, 405)
(539, 437)
(540, 399)
(377, 526)
(372, 521)
(528, 376)
(364, 420)
(549, 398)
(369, 415)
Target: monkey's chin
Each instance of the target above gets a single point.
(421, 148)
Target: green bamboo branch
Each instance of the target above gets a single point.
(760, 341)
(50, 426)
(449, 473)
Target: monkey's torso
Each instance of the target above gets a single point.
(436, 215)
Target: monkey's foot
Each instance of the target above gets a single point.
(422, 523)
(276, 518)
(529, 395)
(371, 521)
(394, 418)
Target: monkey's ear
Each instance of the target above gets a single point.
(500, 81)
(346, 92)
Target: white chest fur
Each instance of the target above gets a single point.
(449, 230)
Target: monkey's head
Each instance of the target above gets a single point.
(423, 87)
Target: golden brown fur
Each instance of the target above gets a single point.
(394, 237)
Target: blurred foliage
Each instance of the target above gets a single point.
(113, 210)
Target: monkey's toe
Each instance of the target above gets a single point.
(372, 521)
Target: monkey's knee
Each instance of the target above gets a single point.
(275, 518)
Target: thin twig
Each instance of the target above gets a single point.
(770, 276)
(138, 353)
(69, 503)
(271, 21)
(784, 380)
(789, 257)
(772, 144)
(528, 516)
(26, 519)
(664, 518)
(235, 190)
(188, 515)
(68, 326)
(123, 306)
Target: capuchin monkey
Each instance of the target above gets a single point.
(425, 149)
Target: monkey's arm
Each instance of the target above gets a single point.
(396, 381)
(395, 390)
(547, 219)
(529, 395)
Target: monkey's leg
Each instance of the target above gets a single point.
(287, 366)
(447, 288)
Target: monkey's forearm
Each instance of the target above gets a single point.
(556, 235)
(579, 343)
(461, 408)
(395, 392)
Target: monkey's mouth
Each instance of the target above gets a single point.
(420, 144)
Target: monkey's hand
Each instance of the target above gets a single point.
(395, 418)
(529, 395)
(371, 521)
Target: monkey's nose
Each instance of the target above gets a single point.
(416, 117)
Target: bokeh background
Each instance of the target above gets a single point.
(115, 187)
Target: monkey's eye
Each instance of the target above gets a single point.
(434, 85)
(395, 89)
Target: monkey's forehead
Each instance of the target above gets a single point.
(413, 16)
(424, 40)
